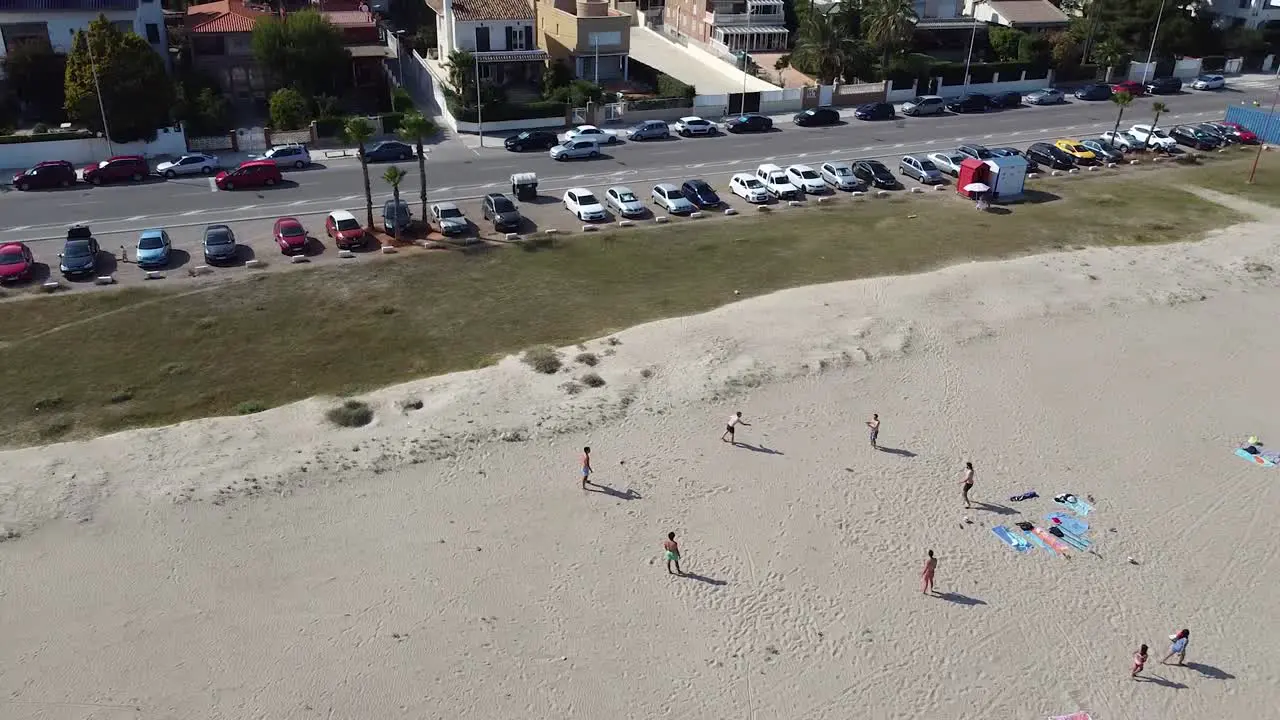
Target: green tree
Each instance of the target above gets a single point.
(415, 127)
(136, 91)
(289, 110)
(889, 26)
(358, 131)
(1121, 100)
(781, 64)
(1109, 54)
(303, 50)
(208, 113)
(1004, 42)
(1034, 49)
(393, 176)
(1159, 109)
(822, 48)
(36, 74)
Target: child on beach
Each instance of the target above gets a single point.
(966, 483)
(734, 420)
(1179, 646)
(1139, 661)
(586, 467)
(874, 424)
(930, 566)
(672, 553)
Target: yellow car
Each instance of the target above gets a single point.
(1081, 154)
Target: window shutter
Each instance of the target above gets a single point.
(528, 38)
(510, 37)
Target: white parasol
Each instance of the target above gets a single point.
(976, 187)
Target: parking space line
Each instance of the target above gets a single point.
(250, 207)
(345, 198)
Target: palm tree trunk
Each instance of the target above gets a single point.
(395, 194)
(1154, 124)
(422, 178)
(1115, 130)
(368, 189)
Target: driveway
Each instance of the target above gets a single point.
(710, 76)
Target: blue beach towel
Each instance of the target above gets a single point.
(1068, 523)
(1017, 543)
(1260, 459)
(1078, 507)
(1039, 543)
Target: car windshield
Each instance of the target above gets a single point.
(292, 231)
(778, 179)
(217, 237)
(753, 183)
(151, 242)
(502, 205)
(32, 171)
(808, 175)
(1078, 148)
(916, 100)
(627, 197)
(450, 213)
(76, 249)
(927, 166)
(1206, 78)
(348, 224)
(843, 171)
(11, 257)
(524, 135)
(588, 199)
(566, 144)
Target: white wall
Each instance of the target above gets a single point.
(61, 23)
(465, 34)
(169, 142)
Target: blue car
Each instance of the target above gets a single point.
(153, 248)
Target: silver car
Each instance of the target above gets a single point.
(624, 202)
(920, 168)
(1044, 96)
(669, 196)
(575, 148)
(947, 162)
(839, 175)
(293, 155)
(449, 218)
(924, 105)
(193, 164)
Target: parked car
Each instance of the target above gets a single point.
(450, 219)
(1152, 137)
(624, 202)
(396, 216)
(591, 132)
(1164, 86)
(806, 178)
(121, 167)
(694, 125)
(1008, 99)
(1080, 155)
(977, 152)
(875, 111)
(649, 130)
(250, 173)
(669, 196)
(920, 168)
(219, 244)
(79, 256)
(924, 105)
(1015, 152)
(345, 230)
(294, 155)
(1133, 87)
(700, 193)
(1048, 156)
(1209, 82)
(1044, 96)
(531, 140)
(390, 151)
(750, 122)
(814, 117)
(1122, 140)
(873, 172)
(947, 162)
(1242, 133)
(574, 149)
(776, 183)
(290, 236)
(153, 248)
(45, 175)
(1096, 91)
(192, 164)
(16, 262)
(748, 188)
(1104, 150)
(839, 175)
(1224, 135)
(1193, 137)
(499, 210)
(970, 102)
(584, 205)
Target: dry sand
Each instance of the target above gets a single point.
(444, 562)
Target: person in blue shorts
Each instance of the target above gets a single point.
(1179, 647)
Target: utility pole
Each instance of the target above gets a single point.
(1262, 142)
(1146, 70)
(479, 109)
(97, 89)
(973, 36)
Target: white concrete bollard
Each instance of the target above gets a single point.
(297, 259)
(200, 270)
(625, 223)
(255, 263)
(1073, 171)
(661, 219)
(551, 231)
(389, 250)
(1135, 161)
(730, 211)
(1093, 168)
(1055, 173)
(882, 193)
(589, 228)
(917, 190)
(794, 203)
(856, 193)
(511, 237)
(50, 285)
(695, 214)
(104, 280)
(154, 275)
(1110, 165)
(941, 188)
(763, 208)
(346, 254)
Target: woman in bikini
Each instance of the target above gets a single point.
(930, 566)
(1139, 661)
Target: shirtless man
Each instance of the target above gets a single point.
(734, 420)
(672, 552)
(586, 467)
(966, 483)
(874, 424)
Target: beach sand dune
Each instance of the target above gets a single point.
(444, 562)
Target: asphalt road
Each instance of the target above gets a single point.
(42, 217)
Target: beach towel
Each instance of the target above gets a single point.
(1073, 716)
(1262, 459)
(1073, 540)
(1077, 506)
(1039, 543)
(1017, 543)
(1068, 523)
(1024, 496)
(1059, 547)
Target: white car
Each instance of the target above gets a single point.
(1209, 82)
(776, 183)
(583, 204)
(839, 175)
(694, 125)
(806, 178)
(1123, 140)
(193, 164)
(748, 188)
(292, 155)
(591, 132)
(1148, 136)
(669, 196)
(947, 162)
(623, 201)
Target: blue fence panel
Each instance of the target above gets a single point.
(1263, 123)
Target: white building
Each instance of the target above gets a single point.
(1247, 13)
(500, 35)
(53, 22)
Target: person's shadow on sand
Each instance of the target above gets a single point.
(704, 578)
(958, 599)
(896, 451)
(612, 492)
(1161, 681)
(758, 448)
(1209, 671)
(997, 509)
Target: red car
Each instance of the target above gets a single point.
(291, 236)
(1243, 133)
(1133, 87)
(345, 230)
(121, 167)
(16, 262)
(251, 173)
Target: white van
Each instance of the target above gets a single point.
(776, 182)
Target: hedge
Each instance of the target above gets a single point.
(329, 127)
(511, 111)
(45, 137)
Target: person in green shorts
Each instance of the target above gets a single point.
(673, 553)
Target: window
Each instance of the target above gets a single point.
(153, 33)
(1244, 4)
(16, 34)
(208, 45)
(604, 39)
(517, 38)
(486, 71)
(482, 39)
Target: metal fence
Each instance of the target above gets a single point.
(1263, 123)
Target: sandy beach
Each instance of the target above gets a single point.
(444, 562)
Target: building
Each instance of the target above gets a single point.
(500, 34)
(591, 37)
(1245, 13)
(729, 27)
(54, 22)
(1020, 14)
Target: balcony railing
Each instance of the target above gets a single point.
(720, 19)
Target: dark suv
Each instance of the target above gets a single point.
(1046, 155)
(121, 167)
(1164, 86)
(51, 174)
(499, 208)
(973, 102)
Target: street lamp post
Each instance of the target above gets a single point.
(1146, 69)
(1262, 141)
(479, 109)
(973, 36)
(400, 59)
(97, 89)
(742, 103)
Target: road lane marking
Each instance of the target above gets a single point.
(248, 207)
(135, 217)
(213, 186)
(189, 213)
(299, 202)
(19, 228)
(899, 145)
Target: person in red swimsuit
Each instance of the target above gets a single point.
(930, 565)
(1139, 661)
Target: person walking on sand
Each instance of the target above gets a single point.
(874, 424)
(672, 553)
(734, 421)
(586, 467)
(1179, 646)
(966, 483)
(930, 566)
(1139, 661)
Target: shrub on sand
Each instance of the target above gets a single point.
(592, 380)
(543, 359)
(351, 413)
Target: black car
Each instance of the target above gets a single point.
(1015, 152)
(499, 209)
(1003, 100)
(873, 172)
(1219, 132)
(875, 111)
(1164, 86)
(1194, 137)
(389, 150)
(700, 193)
(1049, 156)
(531, 140)
(816, 116)
(750, 122)
(79, 255)
(1094, 92)
(970, 102)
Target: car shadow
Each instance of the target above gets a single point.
(314, 247)
(177, 259)
(40, 273)
(244, 253)
(281, 185)
(108, 263)
(305, 168)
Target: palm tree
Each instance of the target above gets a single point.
(1159, 109)
(393, 176)
(781, 65)
(824, 47)
(1122, 100)
(414, 127)
(358, 131)
(889, 25)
